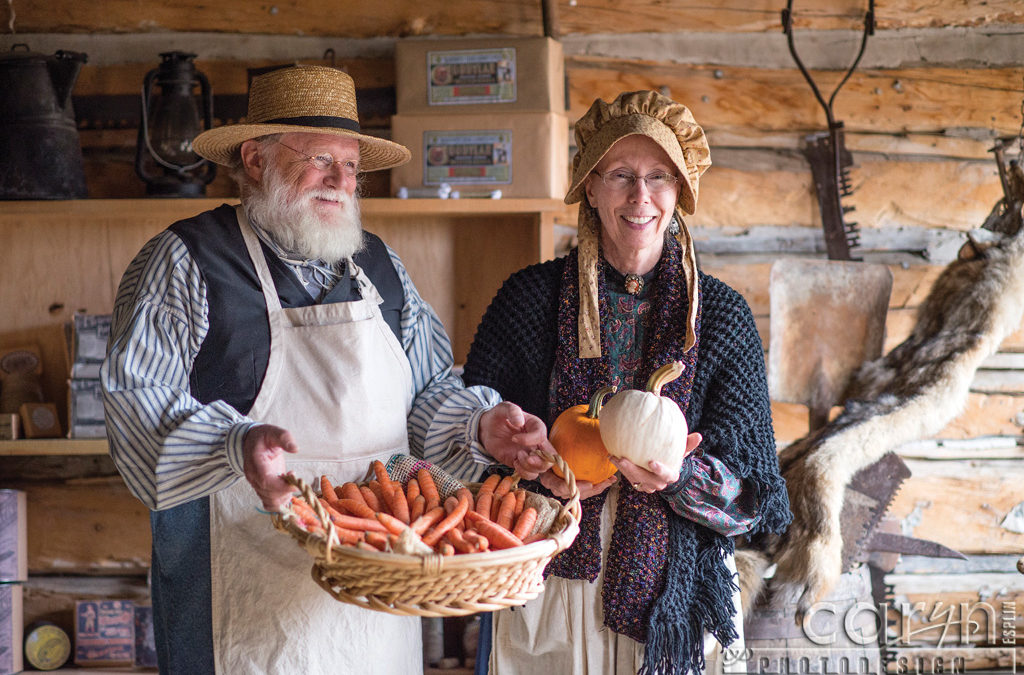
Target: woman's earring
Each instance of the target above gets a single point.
(673, 227)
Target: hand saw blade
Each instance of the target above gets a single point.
(898, 543)
(866, 499)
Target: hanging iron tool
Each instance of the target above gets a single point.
(1005, 216)
(830, 160)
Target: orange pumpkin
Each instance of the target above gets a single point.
(576, 436)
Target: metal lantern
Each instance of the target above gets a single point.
(171, 117)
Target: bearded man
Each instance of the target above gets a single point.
(278, 336)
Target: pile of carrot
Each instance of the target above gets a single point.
(374, 515)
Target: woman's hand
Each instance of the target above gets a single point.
(656, 476)
(560, 488)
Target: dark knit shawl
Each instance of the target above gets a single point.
(515, 350)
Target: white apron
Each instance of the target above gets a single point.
(562, 631)
(339, 381)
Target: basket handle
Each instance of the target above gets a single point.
(318, 508)
(573, 505)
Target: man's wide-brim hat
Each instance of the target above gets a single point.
(301, 99)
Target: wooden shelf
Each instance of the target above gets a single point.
(54, 446)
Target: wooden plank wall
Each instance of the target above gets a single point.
(939, 82)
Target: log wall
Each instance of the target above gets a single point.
(939, 82)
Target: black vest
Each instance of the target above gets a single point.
(233, 358)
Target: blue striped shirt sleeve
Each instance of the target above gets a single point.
(169, 448)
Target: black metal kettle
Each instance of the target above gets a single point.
(40, 151)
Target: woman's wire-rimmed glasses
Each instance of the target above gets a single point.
(620, 179)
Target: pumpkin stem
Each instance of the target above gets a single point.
(597, 400)
(663, 376)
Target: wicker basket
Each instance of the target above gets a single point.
(433, 585)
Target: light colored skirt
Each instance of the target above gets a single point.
(562, 631)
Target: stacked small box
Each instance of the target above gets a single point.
(13, 573)
(87, 347)
(481, 116)
(105, 633)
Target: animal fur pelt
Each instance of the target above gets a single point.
(910, 393)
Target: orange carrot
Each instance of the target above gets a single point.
(446, 549)
(378, 540)
(352, 522)
(378, 491)
(499, 537)
(393, 525)
(381, 472)
(356, 508)
(476, 540)
(503, 487)
(525, 522)
(305, 513)
(366, 547)
(450, 503)
(370, 497)
(350, 491)
(428, 488)
(520, 501)
(455, 538)
(469, 496)
(347, 536)
(423, 523)
(506, 511)
(485, 494)
(327, 490)
(447, 523)
(536, 536)
(416, 507)
(412, 490)
(483, 505)
(399, 505)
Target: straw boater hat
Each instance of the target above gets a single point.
(313, 99)
(672, 126)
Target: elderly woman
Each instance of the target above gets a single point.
(649, 582)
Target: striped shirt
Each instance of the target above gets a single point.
(171, 449)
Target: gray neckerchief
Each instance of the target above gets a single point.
(316, 276)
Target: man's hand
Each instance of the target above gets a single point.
(263, 450)
(510, 435)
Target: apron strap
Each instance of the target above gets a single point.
(252, 243)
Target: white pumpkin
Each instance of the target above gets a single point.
(644, 425)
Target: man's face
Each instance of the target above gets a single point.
(310, 210)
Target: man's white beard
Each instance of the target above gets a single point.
(295, 223)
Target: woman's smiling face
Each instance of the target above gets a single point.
(633, 219)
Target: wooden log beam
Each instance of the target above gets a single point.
(363, 18)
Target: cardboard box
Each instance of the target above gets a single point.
(442, 77)
(10, 427)
(85, 410)
(39, 420)
(521, 154)
(13, 536)
(145, 641)
(104, 633)
(87, 345)
(12, 629)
